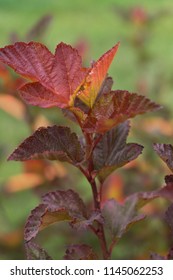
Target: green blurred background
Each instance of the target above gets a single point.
(143, 64)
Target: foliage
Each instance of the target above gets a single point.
(86, 96)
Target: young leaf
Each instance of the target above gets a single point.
(54, 143)
(56, 206)
(118, 218)
(80, 252)
(114, 108)
(106, 86)
(96, 77)
(165, 152)
(113, 152)
(62, 73)
(35, 252)
(32, 60)
(38, 95)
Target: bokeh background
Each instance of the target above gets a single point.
(144, 64)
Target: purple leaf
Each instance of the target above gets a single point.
(53, 143)
(35, 252)
(112, 151)
(56, 206)
(119, 217)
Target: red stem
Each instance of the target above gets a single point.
(96, 197)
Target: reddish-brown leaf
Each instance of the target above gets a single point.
(54, 143)
(56, 206)
(113, 152)
(119, 217)
(32, 60)
(96, 77)
(114, 108)
(37, 95)
(67, 71)
(62, 73)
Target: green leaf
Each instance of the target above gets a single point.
(112, 151)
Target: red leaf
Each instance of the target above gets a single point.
(37, 95)
(68, 65)
(114, 108)
(61, 73)
(54, 143)
(96, 77)
(32, 60)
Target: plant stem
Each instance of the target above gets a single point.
(96, 197)
(100, 229)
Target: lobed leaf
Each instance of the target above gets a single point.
(112, 151)
(96, 76)
(54, 143)
(35, 252)
(55, 207)
(60, 75)
(38, 95)
(165, 152)
(114, 108)
(32, 60)
(80, 252)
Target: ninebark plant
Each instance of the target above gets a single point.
(86, 96)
